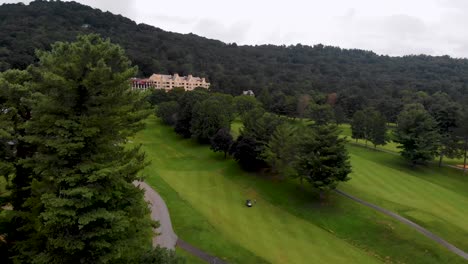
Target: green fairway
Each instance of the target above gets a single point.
(436, 198)
(236, 127)
(205, 196)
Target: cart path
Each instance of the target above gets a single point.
(168, 239)
(166, 236)
(410, 223)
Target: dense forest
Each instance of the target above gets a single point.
(359, 78)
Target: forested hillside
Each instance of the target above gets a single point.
(360, 78)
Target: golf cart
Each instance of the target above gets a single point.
(248, 203)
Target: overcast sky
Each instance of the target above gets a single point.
(394, 27)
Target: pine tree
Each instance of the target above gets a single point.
(84, 207)
(418, 134)
(280, 152)
(322, 158)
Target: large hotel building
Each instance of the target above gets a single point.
(167, 82)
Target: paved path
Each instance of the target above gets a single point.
(199, 253)
(167, 238)
(159, 212)
(410, 223)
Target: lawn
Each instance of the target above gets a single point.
(436, 198)
(205, 196)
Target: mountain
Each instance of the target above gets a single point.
(356, 75)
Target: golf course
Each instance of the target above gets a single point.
(205, 195)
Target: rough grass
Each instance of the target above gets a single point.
(205, 196)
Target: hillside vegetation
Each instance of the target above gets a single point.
(357, 76)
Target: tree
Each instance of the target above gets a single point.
(157, 96)
(280, 151)
(322, 158)
(222, 141)
(15, 111)
(227, 101)
(461, 132)
(243, 104)
(370, 125)
(339, 115)
(418, 135)
(447, 114)
(208, 117)
(378, 131)
(184, 117)
(167, 111)
(246, 151)
(83, 205)
(321, 114)
(358, 125)
(260, 125)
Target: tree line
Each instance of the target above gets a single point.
(313, 152)
(427, 126)
(64, 125)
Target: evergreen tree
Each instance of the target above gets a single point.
(15, 111)
(221, 141)
(322, 114)
(418, 134)
(84, 207)
(446, 113)
(15, 93)
(322, 158)
(280, 151)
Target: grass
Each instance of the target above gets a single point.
(205, 196)
(436, 198)
(236, 126)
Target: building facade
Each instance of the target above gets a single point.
(167, 82)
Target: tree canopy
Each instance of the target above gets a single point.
(418, 135)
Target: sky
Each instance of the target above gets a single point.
(391, 27)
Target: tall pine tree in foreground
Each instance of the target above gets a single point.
(83, 205)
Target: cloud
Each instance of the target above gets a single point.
(235, 32)
(173, 19)
(125, 8)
